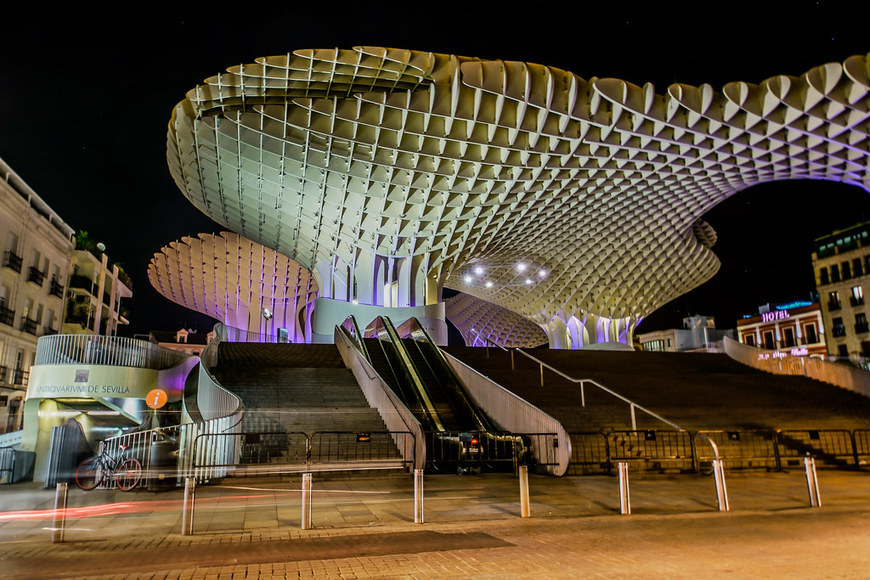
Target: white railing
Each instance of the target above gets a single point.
(61, 349)
(396, 416)
(781, 363)
(514, 414)
(233, 334)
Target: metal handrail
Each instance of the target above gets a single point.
(632, 405)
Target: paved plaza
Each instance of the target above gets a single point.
(364, 528)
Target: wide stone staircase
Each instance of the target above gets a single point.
(290, 391)
(696, 391)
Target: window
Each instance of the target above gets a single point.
(789, 337)
(842, 350)
(823, 276)
(857, 297)
(768, 340)
(865, 348)
(810, 334)
(860, 323)
(833, 300)
(839, 328)
(847, 270)
(835, 273)
(856, 267)
(749, 339)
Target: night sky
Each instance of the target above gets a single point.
(85, 98)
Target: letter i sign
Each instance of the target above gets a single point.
(156, 398)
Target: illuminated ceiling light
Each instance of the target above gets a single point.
(521, 267)
(468, 279)
(488, 284)
(478, 270)
(542, 273)
(529, 281)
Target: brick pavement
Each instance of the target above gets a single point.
(250, 528)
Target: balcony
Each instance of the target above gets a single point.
(12, 261)
(35, 276)
(6, 316)
(83, 282)
(834, 305)
(29, 325)
(55, 289)
(48, 331)
(856, 301)
(861, 327)
(839, 330)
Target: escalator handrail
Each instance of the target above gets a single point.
(354, 333)
(417, 333)
(383, 326)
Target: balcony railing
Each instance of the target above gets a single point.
(861, 327)
(856, 300)
(12, 261)
(3, 371)
(6, 316)
(36, 276)
(55, 289)
(48, 331)
(834, 305)
(839, 330)
(29, 325)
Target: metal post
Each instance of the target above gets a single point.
(512, 360)
(187, 506)
(721, 490)
(633, 418)
(306, 501)
(624, 494)
(60, 498)
(812, 482)
(418, 496)
(583, 393)
(524, 491)
(542, 374)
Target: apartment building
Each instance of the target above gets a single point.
(35, 248)
(841, 262)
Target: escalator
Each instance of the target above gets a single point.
(459, 435)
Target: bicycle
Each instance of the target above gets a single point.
(93, 471)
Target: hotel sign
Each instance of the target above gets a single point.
(774, 316)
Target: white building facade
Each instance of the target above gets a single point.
(35, 249)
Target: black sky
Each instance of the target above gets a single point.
(85, 98)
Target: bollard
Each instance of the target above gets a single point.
(524, 491)
(60, 498)
(812, 482)
(187, 506)
(721, 490)
(624, 494)
(306, 501)
(418, 496)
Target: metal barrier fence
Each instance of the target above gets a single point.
(279, 451)
(590, 453)
(750, 449)
(7, 464)
(830, 447)
(654, 450)
(861, 437)
(670, 451)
